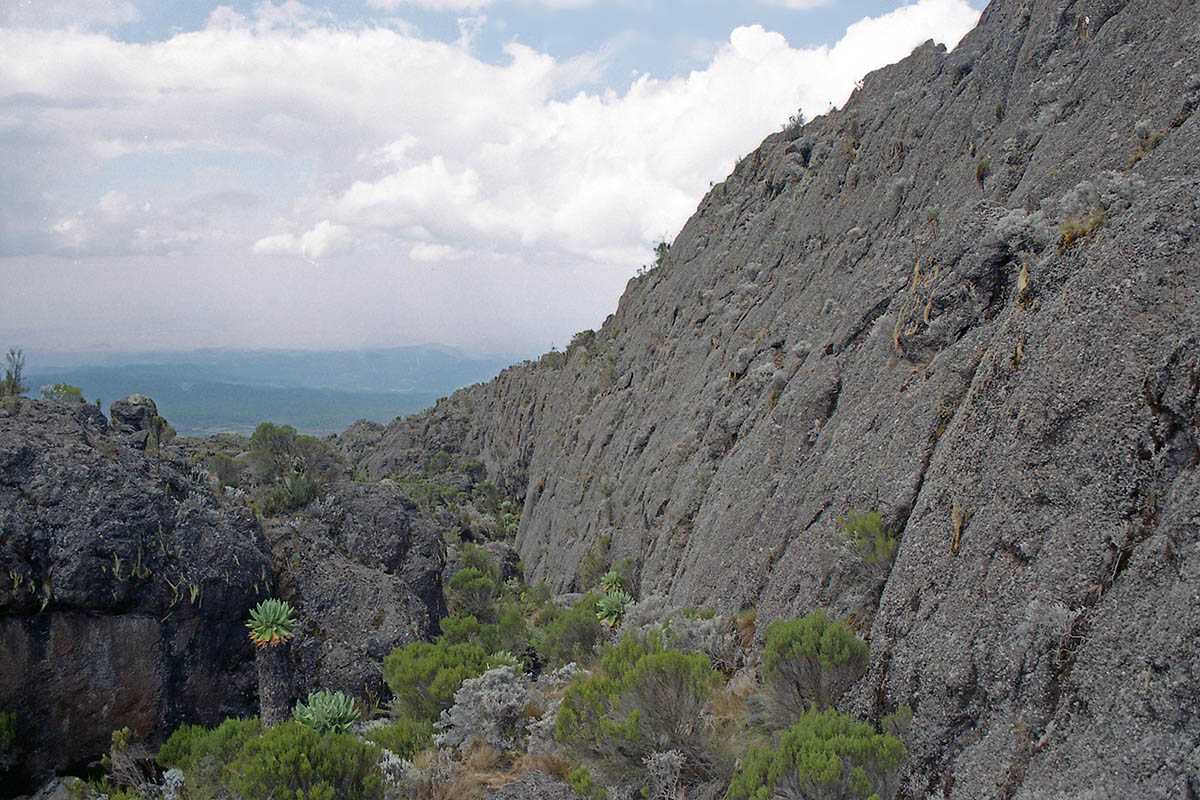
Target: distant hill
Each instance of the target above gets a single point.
(209, 391)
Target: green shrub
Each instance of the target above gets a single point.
(474, 469)
(584, 719)
(327, 711)
(460, 629)
(644, 700)
(581, 781)
(290, 493)
(227, 470)
(62, 393)
(202, 754)
(869, 538)
(290, 468)
(405, 737)
(473, 592)
(807, 663)
(424, 676)
(294, 762)
(825, 754)
(472, 555)
(13, 383)
(509, 633)
(191, 744)
(569, 635)
(512, 630)
(618, 660)
(488, 497)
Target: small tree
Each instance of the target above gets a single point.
(13, 383)
(272, 626)
(825, 754)
(807, 664)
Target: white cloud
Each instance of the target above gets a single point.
(359, 145)
(324, 239)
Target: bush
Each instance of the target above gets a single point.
(290, 468)
(202, 754)
(665, 695)
(486, 709)
(227, 470)
(825, 754)
(293, 762)
(569, 635)
(459, 629)
(13, 383)
(473, 592)
(424, 676)
(63, 393)
(405, 737)
(807, 663)
(326, 711)
(645, 700)
(869, 539)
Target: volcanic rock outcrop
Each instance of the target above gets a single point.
(968, 300)
(125, 584)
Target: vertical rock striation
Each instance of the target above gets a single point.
(969, 300)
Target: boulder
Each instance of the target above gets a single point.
(124, 589)
(534, 786)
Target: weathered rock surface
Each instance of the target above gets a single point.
(969, 300)
(534, 786)
(125, 586)
(134, 417)
(363, 568)
(123, 589)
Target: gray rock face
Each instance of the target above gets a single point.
(125, 585)
(969, 300)
(123, 590)
(534, 786)
(134, 417)
(363, 568)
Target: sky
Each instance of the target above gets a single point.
(486, 174)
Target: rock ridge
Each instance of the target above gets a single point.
(966, 300)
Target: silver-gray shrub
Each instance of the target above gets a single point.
(487, 709)
(662, 773)
(684, 630)
(546, 694)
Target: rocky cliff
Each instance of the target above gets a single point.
(126, 581)
(968, 300)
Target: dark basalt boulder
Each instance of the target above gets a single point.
(125, 585)
(363, 568)
(124, 588)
